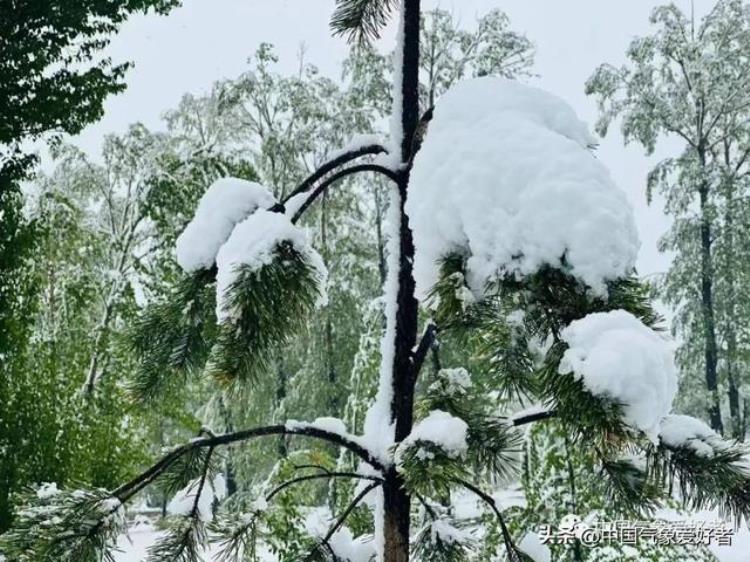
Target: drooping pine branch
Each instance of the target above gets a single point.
(259, 322)
(342, 519)
(171, 339)
(187, 533)
(513, 553)
(324, 185)
(361, 20)
(126, 491)
(330, 166)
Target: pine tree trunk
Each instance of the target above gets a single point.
(707, 310)
(396, 500)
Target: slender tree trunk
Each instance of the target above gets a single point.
(729, 307)
(281, 379)
(707, 309)
(330, 368)
(396, 500)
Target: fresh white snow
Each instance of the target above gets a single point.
(534, 548)
(183, 501)
(620, 358)
(379, 428)
(453, 382)
(345, 546)
(505, 178)
(448, 533)
(689, 432)
(253, 243)
(226, 202)
(439, 428)
(330, 424)
(47, 490)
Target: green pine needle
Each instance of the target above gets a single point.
(272, 303)
(361, 20)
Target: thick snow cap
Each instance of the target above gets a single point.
(620, 358)
(505, 176)
(253, 244)
(226, 202)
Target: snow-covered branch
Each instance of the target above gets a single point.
(129, 489)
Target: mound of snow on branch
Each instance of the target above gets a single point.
(620, 358)
(226, 202)
(688, 432)
(441, 429)
(505, 178)
(253, 243)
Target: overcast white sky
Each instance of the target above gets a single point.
(206, 40)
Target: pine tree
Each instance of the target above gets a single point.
(550, 310)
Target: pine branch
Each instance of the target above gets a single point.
(361, 20)
(324, 476)
(259, 323)
(719, 481)
(184, 541)
(173, 337)
(342, 519)
(513, 554)
(127, 490)
(531, 418)
(327, 167)
(322, 187)
(425, 344)
(64, 526)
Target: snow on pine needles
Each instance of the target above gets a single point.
(506, 179)
(226, 202)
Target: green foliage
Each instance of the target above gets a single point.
(361, 19)
(53, 78)
(266, 307)
(183, 540)
(173, 338)
(65, 526)
(688, 80)
(718, 481)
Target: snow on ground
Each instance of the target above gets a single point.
(134, 548)
(505, 178)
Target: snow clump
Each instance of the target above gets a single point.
(506, 179)
(620, 358)
(226, 202)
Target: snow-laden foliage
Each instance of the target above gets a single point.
(224, 204)
(505, 180)
(252, 245)
(619, 358)
(686, 431)
(439, 429)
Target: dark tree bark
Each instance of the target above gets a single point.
(397, 501)
(707, 309)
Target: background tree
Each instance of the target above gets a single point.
(52, 81)
(689, 81)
